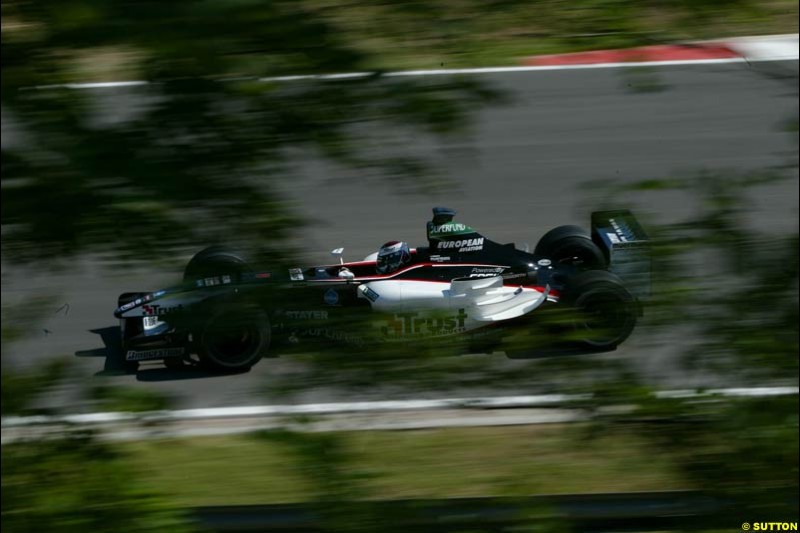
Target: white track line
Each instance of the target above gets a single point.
(443, 72)
(502, 70)
(504, 402)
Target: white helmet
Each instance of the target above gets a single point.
(392, 256)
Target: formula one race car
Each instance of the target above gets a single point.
(228, 312)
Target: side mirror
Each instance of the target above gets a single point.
(337, 252)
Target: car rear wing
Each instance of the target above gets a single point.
(626, 247)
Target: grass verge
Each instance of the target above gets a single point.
(465, 33)
(460, 462)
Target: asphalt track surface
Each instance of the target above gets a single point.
(522, 169)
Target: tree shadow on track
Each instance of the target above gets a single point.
(553, 350)
(550, 338)
(159, 373)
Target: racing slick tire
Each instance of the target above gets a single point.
(233, 338)
(606, 312)
(573, 245)
(215, 261)
(128, 327)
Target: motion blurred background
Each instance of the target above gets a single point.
(224, 130)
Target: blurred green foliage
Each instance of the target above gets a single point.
(73, 483)
(335, 481)
(128, 399)
(193, 156)
(340, 487)
(732, 288)
(19, 389)
(742, 451)
(20, 320)
(456, 462)
(732, 293)
(469, 33)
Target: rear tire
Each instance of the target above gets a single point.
(571, 245)
(606, 312)
(233, 339)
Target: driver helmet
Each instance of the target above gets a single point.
(392, 256)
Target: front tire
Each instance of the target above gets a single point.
(216, 261)
(233, 339)
(605, 311)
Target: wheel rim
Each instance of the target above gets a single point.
(576, 255)
(233, 344)
(606, 318)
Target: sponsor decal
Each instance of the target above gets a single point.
(211, 282)
(613, 238)
(151, 322)
(333, 334)
(263, 275)
(544, 262)
(156, 309)
(512, 276)
(464, 245)
(440, 258)
(331, 297)
(620, 230)
(451, 228)
(296, 274)
(412, 324)
(159, 294)
(160, 353)
(486, 272)
(127, 306)
(304, 315)
(370, 294)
